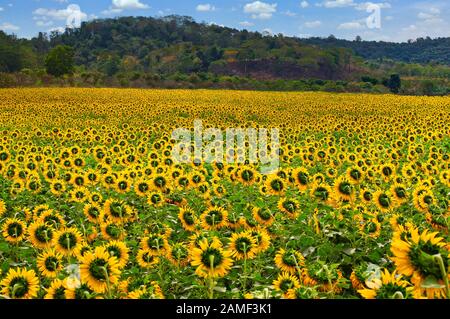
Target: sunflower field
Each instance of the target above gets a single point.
(92, 204)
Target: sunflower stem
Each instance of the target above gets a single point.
(211, 277)
(438, 259)
(108, 284)
(398, 295)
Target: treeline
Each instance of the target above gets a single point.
(176, 51)
(420, 50)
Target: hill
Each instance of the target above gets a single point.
(176, 51)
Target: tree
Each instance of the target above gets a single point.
(60, 61)
(394, 83)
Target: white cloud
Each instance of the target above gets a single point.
(129, 4)
(313, 24)
(205, 7)
(355, 25)
(246, 24)
(290, 13)
(365, 5)
(120, 5)
(6, 26)
(389, 18)
(260, 10)
(57, 29)
(1, 9)
(304, 35)
(337, 3)
(63, 14)
(304, 4)
(43, 23)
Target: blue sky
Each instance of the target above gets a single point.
(390, 20)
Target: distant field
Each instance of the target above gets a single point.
(359, 207)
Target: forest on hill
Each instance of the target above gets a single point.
(176, 51)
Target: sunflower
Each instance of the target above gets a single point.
(50, 263)
(157, 243)
(214, 218)
(20, 284)
(289, 206)
(52, 218)
(275, 185)
(322, 192)
(243, 245)
(247, 175)
(187, 218)
(119, 250)
(99, 270)
(117, 210)
(40, 234)
(155, 198)
(383, 201)
(147, 258)
(93, 212)
(301, 178)
(144, 292)
(178, 254)
(2, 208)
(79, 194)
(284, 282)
(400, 193)
(122, 185)
(262, 238)
(355, 175)
(66, 240)
(59, 290)
(14, 230)
(343, 189)
(141, 187)
(211, 259)
(290, 261)
(415, 257)
(263, 216)
(390, 286)
(111, 231)
(371, 227)
(81, 249)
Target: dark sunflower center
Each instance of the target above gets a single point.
(289, 259)
(286, 284)
(243, 244)
(97, 269)
(355, 174)
(277, 185)
(59, 293)
(43, 234)
(321, 192)
(289, 206)
(421, 257)
(160, 181)
(214, 217)
(345, 188)
(188, 218)
(93, 212)
(113, 231)
(155, 198)
(67, 240)
(143, 187)
(400, 192)
(15, 230)
(212, 256)
(114, 251)
(264, 214)
(247, 175)
(387, 171)
(51, 263)
(384, 200)
(19, 287)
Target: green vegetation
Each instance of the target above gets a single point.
(175, 52)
